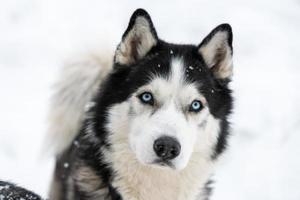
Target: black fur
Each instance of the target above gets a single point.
(124, 80)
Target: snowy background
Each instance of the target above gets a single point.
(263, 163)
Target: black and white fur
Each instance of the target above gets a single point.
(112, 155)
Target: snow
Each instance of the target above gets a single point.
(66, 165)
(263, 159)
(76, 143)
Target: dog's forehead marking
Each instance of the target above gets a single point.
(175, 85)
(177, 71)
(177, 79)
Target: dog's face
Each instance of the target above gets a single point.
(171, 101)
(169, 118)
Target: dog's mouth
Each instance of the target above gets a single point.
(163, 163)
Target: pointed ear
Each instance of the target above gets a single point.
(216, 50)
(137, 40)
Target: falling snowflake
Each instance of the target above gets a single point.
(89, 105)
(191, 67)
(76, 143)
(66, 165)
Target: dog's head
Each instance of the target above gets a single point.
(169, 101)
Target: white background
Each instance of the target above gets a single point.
(263, 163)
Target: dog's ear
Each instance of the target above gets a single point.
(216, 50)
(137, 40)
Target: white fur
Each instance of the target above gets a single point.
(89, 182)
(72, 92)
(132, 137)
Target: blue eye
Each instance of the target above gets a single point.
(196, 106)
(147, 98)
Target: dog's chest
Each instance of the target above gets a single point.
(149, 186)
(156, 184)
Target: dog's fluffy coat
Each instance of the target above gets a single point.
(105, 132)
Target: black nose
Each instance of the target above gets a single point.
(166, 148)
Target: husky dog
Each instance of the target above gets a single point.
(151, 127)
(9, 191)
